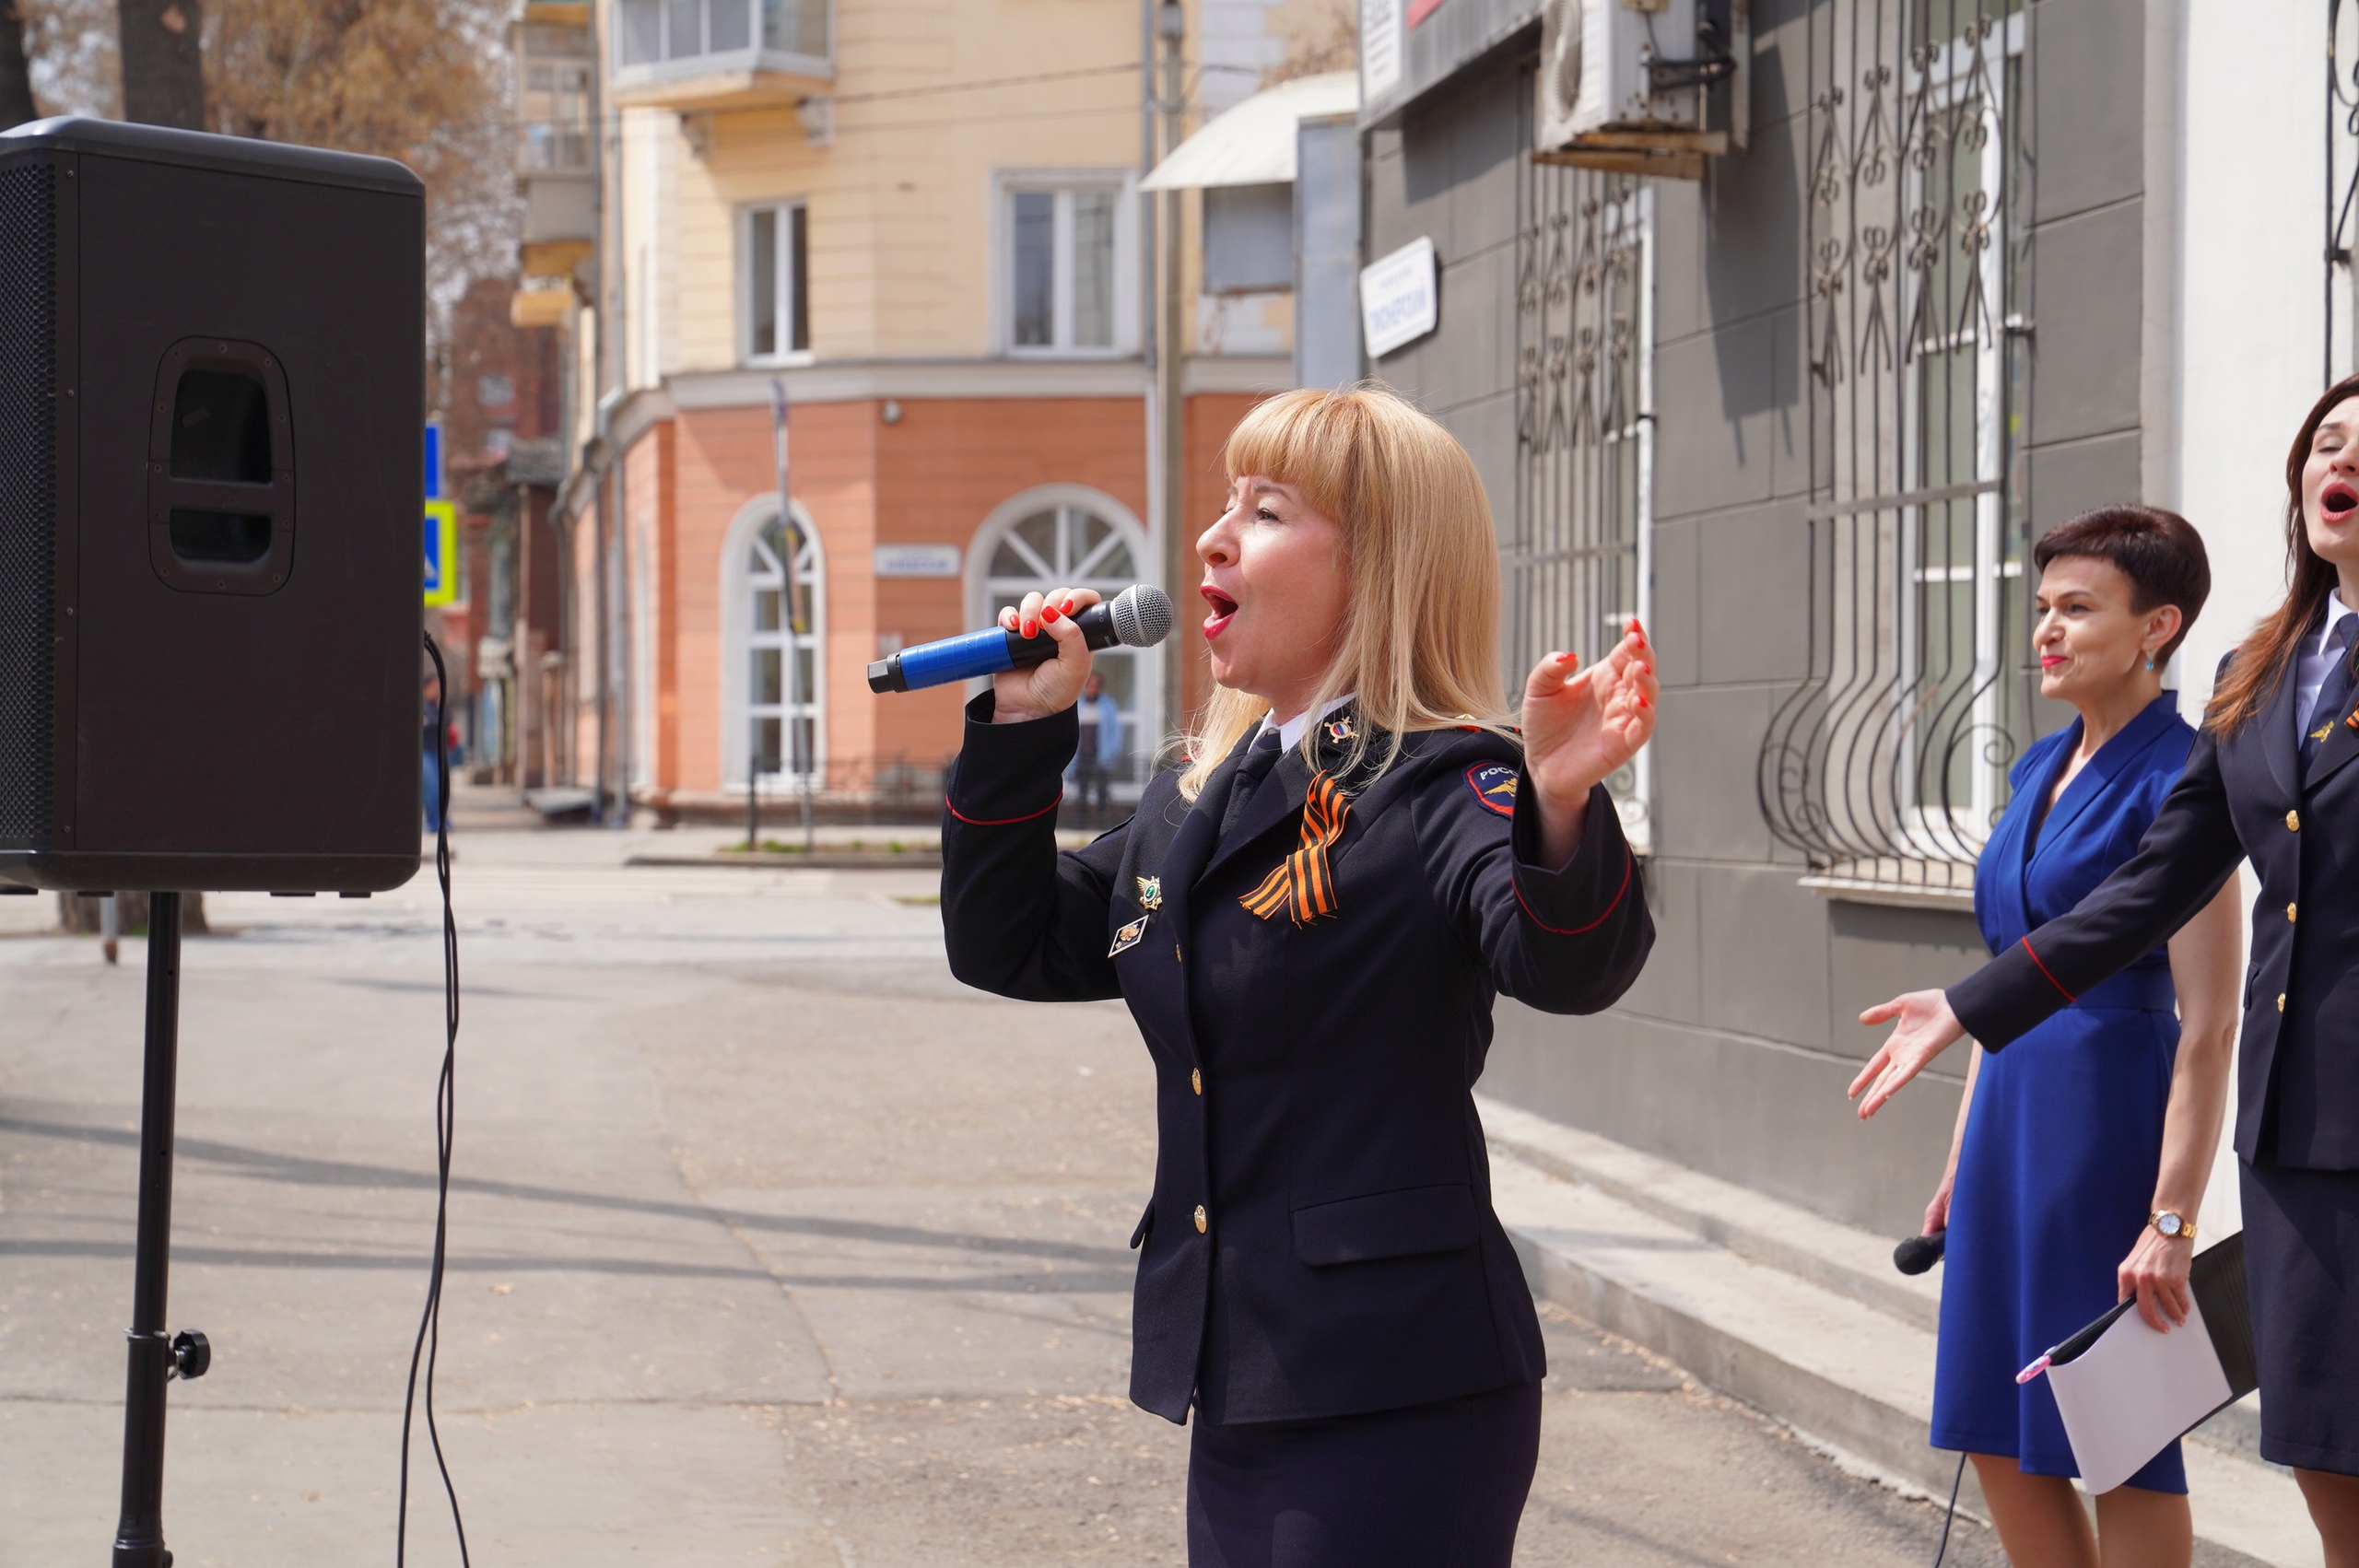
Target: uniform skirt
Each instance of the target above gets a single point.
(2302, 1267)
(1430, 1486)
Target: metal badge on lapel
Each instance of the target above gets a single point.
(1150, 893)
(1341, 730)
(1128, 937)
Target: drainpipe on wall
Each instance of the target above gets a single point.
(604, 463)
(1171, 25)
(1161, 524)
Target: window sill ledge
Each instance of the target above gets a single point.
(1848, 889)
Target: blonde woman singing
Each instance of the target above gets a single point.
(1310, 918)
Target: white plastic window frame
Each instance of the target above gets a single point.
(785, 282)
(1120, 183)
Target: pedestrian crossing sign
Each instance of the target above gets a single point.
(441, 554)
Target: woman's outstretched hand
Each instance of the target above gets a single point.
(1923, 1027)
(1579, 727)
(1039, 690)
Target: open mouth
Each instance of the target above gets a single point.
(1225, 609)
(2338, 500)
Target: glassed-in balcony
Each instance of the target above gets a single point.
(691, 55)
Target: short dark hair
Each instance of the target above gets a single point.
(2159, 552)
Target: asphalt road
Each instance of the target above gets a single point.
(769, 1244)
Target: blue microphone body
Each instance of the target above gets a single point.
(985, 652)
(1139, 617)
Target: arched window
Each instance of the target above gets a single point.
(775, 688)
(1064, 535)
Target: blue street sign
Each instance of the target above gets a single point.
(433, 460)
(441, 552)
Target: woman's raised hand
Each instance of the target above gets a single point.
(1579, 727)
(1039, 690)
(1923, 1028)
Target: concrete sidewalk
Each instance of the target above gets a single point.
(1800, 1318)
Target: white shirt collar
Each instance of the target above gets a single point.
(2335, 609)
(1290, 732)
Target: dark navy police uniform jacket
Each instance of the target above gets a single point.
(2297, 1091)
(1320, 1240)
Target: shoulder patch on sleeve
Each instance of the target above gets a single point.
(1493, 784)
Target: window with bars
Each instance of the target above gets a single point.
(1576, 554)
(1888, 763)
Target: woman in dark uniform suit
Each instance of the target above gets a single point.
(1310, 918)
(2269, 779)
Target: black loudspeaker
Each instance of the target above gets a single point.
(212, 364)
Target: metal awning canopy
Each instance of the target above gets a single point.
(1252, 144)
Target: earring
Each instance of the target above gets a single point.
(2150, 663)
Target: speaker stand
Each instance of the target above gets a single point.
(155, 1360)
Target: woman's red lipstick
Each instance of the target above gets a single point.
(1224, 611)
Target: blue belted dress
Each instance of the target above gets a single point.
(2065, 1134)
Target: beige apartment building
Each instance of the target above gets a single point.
(919, 223)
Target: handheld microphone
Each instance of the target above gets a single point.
(1139, 617)
(1919, 1253)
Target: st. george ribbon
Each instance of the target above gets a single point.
(1139, 617)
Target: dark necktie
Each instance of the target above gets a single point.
(1260, 758)
(2334, 692)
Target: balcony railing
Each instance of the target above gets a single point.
(554, 146)
(667, 40)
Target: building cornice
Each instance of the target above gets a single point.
(862, 380)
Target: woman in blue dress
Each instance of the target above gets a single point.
(2070, 1143)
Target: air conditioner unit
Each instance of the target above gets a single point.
(1624, 84)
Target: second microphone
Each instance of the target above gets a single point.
(1139, 617)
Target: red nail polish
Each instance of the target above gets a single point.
(1048, 614)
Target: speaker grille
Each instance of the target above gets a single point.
(27, 499)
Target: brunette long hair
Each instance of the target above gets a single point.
(2264, 658)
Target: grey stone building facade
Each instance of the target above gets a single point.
(1804, 415)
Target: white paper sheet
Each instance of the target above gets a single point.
(2128, 1396)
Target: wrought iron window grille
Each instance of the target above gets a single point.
(1887, 764)
(1576, 551)
(2341, 184)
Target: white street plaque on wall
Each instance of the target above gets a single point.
(917, 560)
(1379, 48)
(1399, 300)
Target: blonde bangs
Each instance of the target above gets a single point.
(1297, 439)
(1420, 643)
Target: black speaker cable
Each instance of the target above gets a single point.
(429, 1322)
(1947, 1519)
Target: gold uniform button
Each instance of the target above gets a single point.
(2281, 1006)
(1196, 1080)
(2293, 822)
(2289, 913)
(1203, 1224)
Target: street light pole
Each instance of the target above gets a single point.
(795, 630)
